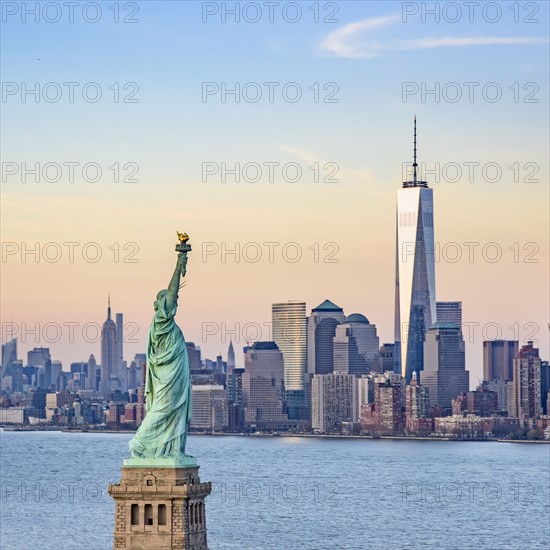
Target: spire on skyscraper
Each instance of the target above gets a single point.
(415, 181)
(109, 305)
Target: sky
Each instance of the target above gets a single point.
(136, 134)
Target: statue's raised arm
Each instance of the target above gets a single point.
(174, 285)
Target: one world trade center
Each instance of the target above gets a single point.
(415, 307)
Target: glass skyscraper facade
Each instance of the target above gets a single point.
(290, 335)
(415, 305)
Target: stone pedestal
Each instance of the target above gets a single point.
(159, 505)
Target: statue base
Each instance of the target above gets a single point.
(160, 506)
(160, 462)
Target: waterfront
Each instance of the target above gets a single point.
(285, 492)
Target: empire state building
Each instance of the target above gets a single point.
(415, 306)
(109, 351)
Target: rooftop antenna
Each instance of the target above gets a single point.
(415, 181)
(415, 165)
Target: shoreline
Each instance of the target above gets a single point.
(303, 435)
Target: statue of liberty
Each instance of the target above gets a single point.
(163, 432)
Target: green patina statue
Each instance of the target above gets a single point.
(163, 432)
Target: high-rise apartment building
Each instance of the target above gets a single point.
(525, 392)
(334, 401)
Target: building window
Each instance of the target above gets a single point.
(162, 514)
(135, 514)
(148, 517)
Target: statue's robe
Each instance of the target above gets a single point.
(163, 432)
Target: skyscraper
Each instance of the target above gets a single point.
(194, 355)
(334, 401)
(321, 329)
(524, 397)
(498, 359)
(92, 373)
(356, 345)
(417, 407)
(544, 386)
(37, 357)
(9, 354)
(388, 403)
(262, 385)
(109, 351)
(290, 334)
(449, 312)
(444, 374)
(230, 358)
(415, 308)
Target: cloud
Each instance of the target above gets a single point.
(352, 40)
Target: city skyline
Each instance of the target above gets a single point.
(369, 141)
(301, 248)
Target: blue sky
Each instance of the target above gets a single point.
(170, 132)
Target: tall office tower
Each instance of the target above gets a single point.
(415, 309)
(524, 394)
(56, 369)
(13, 377)
(194, 355)
(385, 361)
(47, 374)
(141, 368)
(321, 329)
(262, 385)
(498, 359)
(290, 334)
(132, 378)
(9, 354)
(355, 345)
(544, 386)
(122, 370)
(92, 373)
(109, 352)
(230, 358)
(444, 373)
(449, 312)
(79, 374)
(120, 337)
(37, 357)
(334, 400)
(220, 364)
